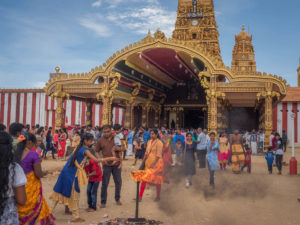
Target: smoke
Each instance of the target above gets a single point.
(229, 186)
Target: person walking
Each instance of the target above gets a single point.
(213, 147)
(189, 158)
(279, 153)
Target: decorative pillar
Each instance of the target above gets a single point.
(106, 111)
(145, 112)
(89, 112)
(268, 118)
(110, 83)
(268, 95)
(129, 115)
(60, 97)
(59, 113)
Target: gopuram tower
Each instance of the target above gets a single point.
(196, 25)
(243, 56)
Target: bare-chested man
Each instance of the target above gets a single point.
(237, 152)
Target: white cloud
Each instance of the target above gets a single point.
(148, 15)
(94, 23)
(38, 84)
(97, 3)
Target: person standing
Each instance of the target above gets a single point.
(284, 140)
(153, 172)
(12, 185)
(106, 145)
(270, 158)
(261, 141)
(253, 142)
(94, 173)
(15, 130)
(237, 152)
(279, 153)
(130, 143)
(201, 148)
(36, 209)
(213, 147)
(189, 156)
(224, 151)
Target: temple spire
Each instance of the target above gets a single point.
(243, 55)
(196, 24)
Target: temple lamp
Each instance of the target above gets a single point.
(293, 161)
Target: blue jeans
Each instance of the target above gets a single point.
(92, 191)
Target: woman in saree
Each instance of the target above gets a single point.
(153, 171)
(36, 209)
(73, 178)
(62, 142)
(224, 151)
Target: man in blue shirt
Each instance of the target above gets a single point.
(201, 148)
(180, 137)
(129, 143)
(146, 136)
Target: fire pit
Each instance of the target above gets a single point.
(132, 221)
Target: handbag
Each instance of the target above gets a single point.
(143, 165)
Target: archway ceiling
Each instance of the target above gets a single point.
(164, 65)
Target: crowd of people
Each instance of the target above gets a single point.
(83, 148)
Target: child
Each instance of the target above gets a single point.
(94, 174)
(73, 177)
(139, 148)
(247, 164)
(270, 158)
(178, 150)
(118, 140)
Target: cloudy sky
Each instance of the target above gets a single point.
(37, 35)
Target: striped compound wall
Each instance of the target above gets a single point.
(34, 107)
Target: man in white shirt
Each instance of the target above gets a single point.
(201, 148)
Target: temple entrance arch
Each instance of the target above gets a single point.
(172, 79)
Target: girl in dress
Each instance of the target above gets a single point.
(62, 142)
(73, 178)
(189, 156)
(139, 148)
(12, 185)
(36, 210)
(224, 151)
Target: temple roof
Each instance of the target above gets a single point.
(243, 35)
(293, 95)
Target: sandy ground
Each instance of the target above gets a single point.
(247, 199)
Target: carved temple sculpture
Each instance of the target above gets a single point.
(160, 80)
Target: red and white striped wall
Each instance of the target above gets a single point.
(35, 107)
(282, 119)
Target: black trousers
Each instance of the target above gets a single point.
(284, 146)
(279, 162)
(270, 168)
(116, 173)
(201, 155)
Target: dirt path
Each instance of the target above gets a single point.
(247, 199)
